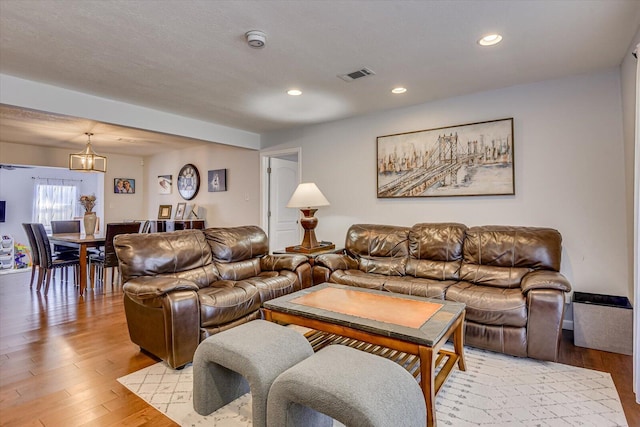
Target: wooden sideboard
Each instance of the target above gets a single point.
(160, 226)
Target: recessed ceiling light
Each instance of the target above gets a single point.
(490, 40)
(399, 90)
(294, 92)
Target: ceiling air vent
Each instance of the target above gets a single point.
(354, 75)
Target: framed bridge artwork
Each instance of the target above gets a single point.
(474, 159)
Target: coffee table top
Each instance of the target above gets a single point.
(415, 319)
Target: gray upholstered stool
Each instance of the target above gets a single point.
(246, 358)
(356, 388)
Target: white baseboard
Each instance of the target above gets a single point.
(567, 324)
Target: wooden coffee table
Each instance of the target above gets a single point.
(413, 325)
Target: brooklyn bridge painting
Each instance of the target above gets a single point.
(466, 160)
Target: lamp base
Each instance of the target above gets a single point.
(322, 246)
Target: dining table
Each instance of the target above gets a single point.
(81, 241)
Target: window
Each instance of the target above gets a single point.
(54, 200)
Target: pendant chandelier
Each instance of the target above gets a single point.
(87, 160)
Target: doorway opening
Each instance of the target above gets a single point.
(280, 173)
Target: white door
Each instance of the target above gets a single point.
(284, 229)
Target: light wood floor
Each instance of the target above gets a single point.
(60, 356)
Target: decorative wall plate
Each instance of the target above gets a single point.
(188, 181)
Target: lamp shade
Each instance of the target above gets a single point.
(307, 195)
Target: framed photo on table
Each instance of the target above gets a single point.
(164, 212)
(180, 210)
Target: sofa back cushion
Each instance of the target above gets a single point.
(435, 250)
(237, 250)
(381, 249)
(183, 254)
(502, 255)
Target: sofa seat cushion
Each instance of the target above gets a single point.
(436, 270)
(274, 284)
(487, 275)
(239, 270)
(489, 305)
(359, 279)
(427, 288)
(226, 300)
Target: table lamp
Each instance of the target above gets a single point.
(306, 197)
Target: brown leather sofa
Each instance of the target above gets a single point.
(507, 277)
(181, 287)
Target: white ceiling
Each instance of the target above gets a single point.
(190, 57)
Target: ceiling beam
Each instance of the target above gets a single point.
(39, 96)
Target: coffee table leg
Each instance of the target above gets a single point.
(458, 342)
(427, 382)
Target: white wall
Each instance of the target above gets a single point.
(628, 89)
(110, 207)
(569, 170)
(239, 205)
(16, 187)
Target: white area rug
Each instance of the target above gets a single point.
(496, 390)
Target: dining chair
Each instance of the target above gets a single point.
(47, 262)
(67, 226)
(107, 258)
(35, 254)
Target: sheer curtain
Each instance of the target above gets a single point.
(55, 199)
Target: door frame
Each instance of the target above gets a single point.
(264, 181)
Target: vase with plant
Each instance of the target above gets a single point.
(88, 202)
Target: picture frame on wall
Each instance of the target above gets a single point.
(124, 185)
(164, 211)
(188, 181)
(474, 159)
(165, 184)
(217, 180)
(180, 210)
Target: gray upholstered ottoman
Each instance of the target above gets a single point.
(356, 388)
(246, 358)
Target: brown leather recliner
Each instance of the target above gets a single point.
(507, 277)
(181, 287)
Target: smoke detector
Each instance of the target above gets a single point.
(256, 39)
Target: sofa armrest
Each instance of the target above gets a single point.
(336, 262)
(282, 262)
(146, 287)
(544, 323)
(544, 279)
